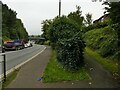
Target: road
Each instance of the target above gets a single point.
(14, 58)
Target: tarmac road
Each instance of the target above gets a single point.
(14, 58)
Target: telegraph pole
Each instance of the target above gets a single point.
(59, 8)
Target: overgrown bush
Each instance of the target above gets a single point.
(62, 28)
(66, 38)
(70, 52)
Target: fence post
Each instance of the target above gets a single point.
(4, 66)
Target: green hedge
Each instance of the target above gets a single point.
(66, 38)
(70, 53)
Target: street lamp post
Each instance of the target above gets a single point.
(59, 8)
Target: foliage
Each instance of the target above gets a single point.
(47, 42)
(12, 27)
(76, 16)
(113, 10)
(62, 28)
(5, 38)
(70, 53)
(88, 20)
(104, 40)
(96, 26)
(45, 27)
(65, 36)
(21, 32)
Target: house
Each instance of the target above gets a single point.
(102, 18)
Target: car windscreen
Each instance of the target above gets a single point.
(17, 41)
(10, 43)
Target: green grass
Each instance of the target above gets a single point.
(10, 78)
(54, 72)
(107, 63)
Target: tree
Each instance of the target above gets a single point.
(8, 20)
(76, 16)
(113, 10)
(46, 24)
(21, 32)
(12, 27)
(66, 39)
(88, 20)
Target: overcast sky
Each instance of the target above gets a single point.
(33, 12)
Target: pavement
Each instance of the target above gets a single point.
(30, 74)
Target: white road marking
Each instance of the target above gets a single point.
(14, 51)
(19, 65)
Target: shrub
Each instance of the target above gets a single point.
(70, 53)
(66, 38)
(62, 28)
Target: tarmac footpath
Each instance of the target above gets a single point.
(30, 72)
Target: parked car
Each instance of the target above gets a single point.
(19, 44)
(14, 45)
(25, 45)
(10, 46)
(29, 44)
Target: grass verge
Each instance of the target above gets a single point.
(10, 78)
(54, 72)
(108, 64)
